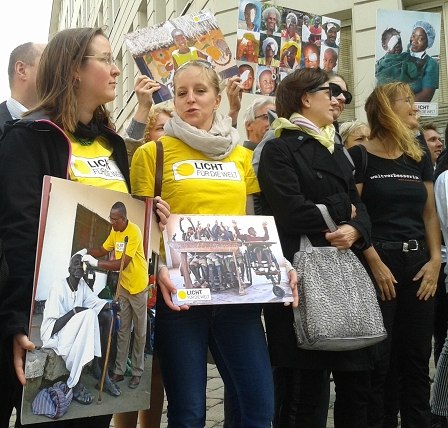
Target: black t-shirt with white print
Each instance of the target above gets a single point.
(394, 194)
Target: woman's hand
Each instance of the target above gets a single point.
(163, 211)
(382, 274)
(234, 93)
(344, 237)
(144, 88)
(293, 281)
(167, 288)
(429, 275)
(20, 344)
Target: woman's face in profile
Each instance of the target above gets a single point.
(339, 108)
(157, 131)
(419, 40)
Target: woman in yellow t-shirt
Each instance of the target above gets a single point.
(197, 138)
(68, 135)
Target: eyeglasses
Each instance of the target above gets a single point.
(106, 57)
(405, 99)
(114, 220)
(322, 88)
(336, 90)
(262, 116)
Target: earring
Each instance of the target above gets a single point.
(77, 83)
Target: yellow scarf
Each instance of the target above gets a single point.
(324, 135)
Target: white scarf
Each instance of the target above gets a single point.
(216, 144)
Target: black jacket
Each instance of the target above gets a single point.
(295, 173)
(5, 116)
(29, 149)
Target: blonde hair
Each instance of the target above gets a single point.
(152, 119)
(348, 128)
(384, 122)
(206, 70)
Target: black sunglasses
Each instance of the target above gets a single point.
(336, 90)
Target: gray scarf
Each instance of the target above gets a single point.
(216, 144)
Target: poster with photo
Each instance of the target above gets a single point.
(215, 259)
(94, 246)
(274, 40)
(161, 49)
(408, 50)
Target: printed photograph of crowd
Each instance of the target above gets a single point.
(237, 259)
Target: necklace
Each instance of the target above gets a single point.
(83, 141)
(73, 291)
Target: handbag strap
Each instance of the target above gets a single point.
(159, 169)
(327, 217)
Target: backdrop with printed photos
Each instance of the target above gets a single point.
(274, 40)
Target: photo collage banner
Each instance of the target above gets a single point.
(273, 40)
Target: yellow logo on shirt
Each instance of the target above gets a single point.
(206, 170)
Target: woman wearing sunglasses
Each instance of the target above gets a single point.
(305, 165)
(76, 78)
(396, 185)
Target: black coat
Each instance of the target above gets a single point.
(5, 116)
(29, 149)
(295, 173)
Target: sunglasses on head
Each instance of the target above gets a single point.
(336, 90)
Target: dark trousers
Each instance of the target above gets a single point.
(286, 395)
(352, 393)
(440, 315)
(403, 368)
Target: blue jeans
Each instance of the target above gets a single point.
(403, 367)
(235, 336)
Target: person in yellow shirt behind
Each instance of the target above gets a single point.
(133, 292)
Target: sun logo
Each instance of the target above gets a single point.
(185, 169)
(81, 166)
(181, 295)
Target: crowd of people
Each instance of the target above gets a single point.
(293, 159)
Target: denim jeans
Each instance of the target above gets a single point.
(404, 355)
(235, 336)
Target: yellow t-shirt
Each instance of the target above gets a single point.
(94, 165)
(182, 58)
(135, 276)
(193, 183)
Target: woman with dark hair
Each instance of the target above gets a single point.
(396, 185)
(306, 166)
(76, 78)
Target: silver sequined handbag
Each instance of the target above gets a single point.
(338, 307)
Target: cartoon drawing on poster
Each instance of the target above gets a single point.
(408, 50)
(225, 260)
(161, 49)
(273, 41)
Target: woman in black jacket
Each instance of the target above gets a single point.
(303, 167)
(76, 78)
